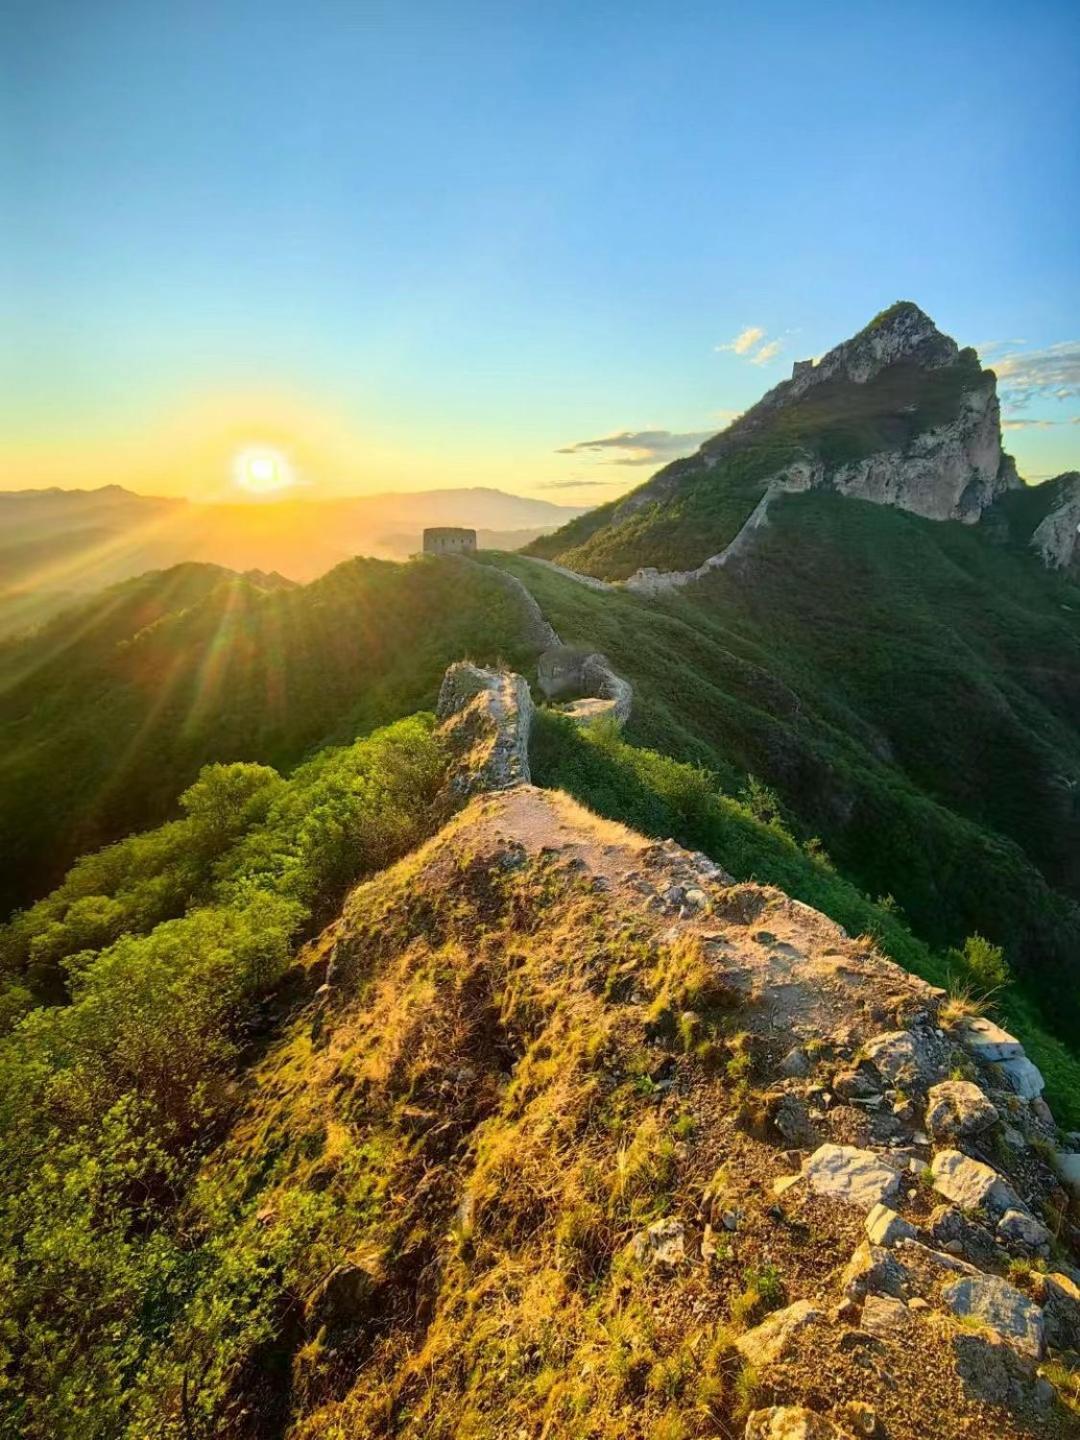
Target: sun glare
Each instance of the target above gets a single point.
(262, 471)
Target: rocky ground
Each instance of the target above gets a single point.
(856, 1220)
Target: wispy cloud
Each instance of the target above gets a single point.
(752, 344)
(745, 341)
(767, 352)
(1026, 423)
(639, 447)
(1050, 373)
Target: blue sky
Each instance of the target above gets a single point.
(436, 244)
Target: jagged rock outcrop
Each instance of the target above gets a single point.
(898, 415)
(951, 470)
(486, 716)
(579, 1050)
(1057, 536)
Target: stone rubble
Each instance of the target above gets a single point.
(861, 1177)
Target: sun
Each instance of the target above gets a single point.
(262, 471)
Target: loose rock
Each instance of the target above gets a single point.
(999, 1305)
(790, 1422)
(905, 1055)
(662, 1244)
(873, 1270)
(957, 1108)
(988, 1041)
(796, 1063)
(886, 1227)
(969, 1183)
(1060, 1299)
(1022, 1076)
(1017, 1227)
(885, 1317)
(860, 1177)
(769, 1340)
(956, 1233)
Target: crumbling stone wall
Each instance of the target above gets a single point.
(586, 679)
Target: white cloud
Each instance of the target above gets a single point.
(751, 343)
(745, 340)
(767, 352)
(640, 447)
(1050, 373)
(1025, 423)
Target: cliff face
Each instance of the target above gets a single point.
(897, 415)
(1057, 536)
(950, 473)
(950, 470)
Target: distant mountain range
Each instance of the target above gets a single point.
(56, 544)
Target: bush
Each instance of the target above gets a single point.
(108, 1103)
(983, 965)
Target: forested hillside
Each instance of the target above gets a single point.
(906, 688)
(108, 712)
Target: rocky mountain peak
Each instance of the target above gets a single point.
(922, 411)
(903, 332)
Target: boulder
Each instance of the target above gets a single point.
(988, 1041)
(929, 1265)
(995, 1303)
(905, 1055)
(860, 1177)
(796, 1063)
(790, 1422)
(663, 1244)
(1017, 1227)
(791, 1116)
(956, 1108)
(771, 1339)
(886, 1227)
(873, 1270)
(971, 1184)
(1060, 1299)
(1022, 1076)
(885, 1317)
(953, 1231)
(989, 1367)
(855, 1085)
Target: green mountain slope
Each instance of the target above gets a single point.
(907, 688)
(108, 712)
(402, 1179)
(898, 414)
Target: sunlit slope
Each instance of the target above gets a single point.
(428, 1200)
(109, 711)
(897, 414)
(908, 689)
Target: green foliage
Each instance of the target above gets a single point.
(694, 507)
(907, 688)
(109, 1103)
(110, 711)
(982, 965)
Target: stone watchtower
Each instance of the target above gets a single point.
(449, 540)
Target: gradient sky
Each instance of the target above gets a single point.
(433, 244)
